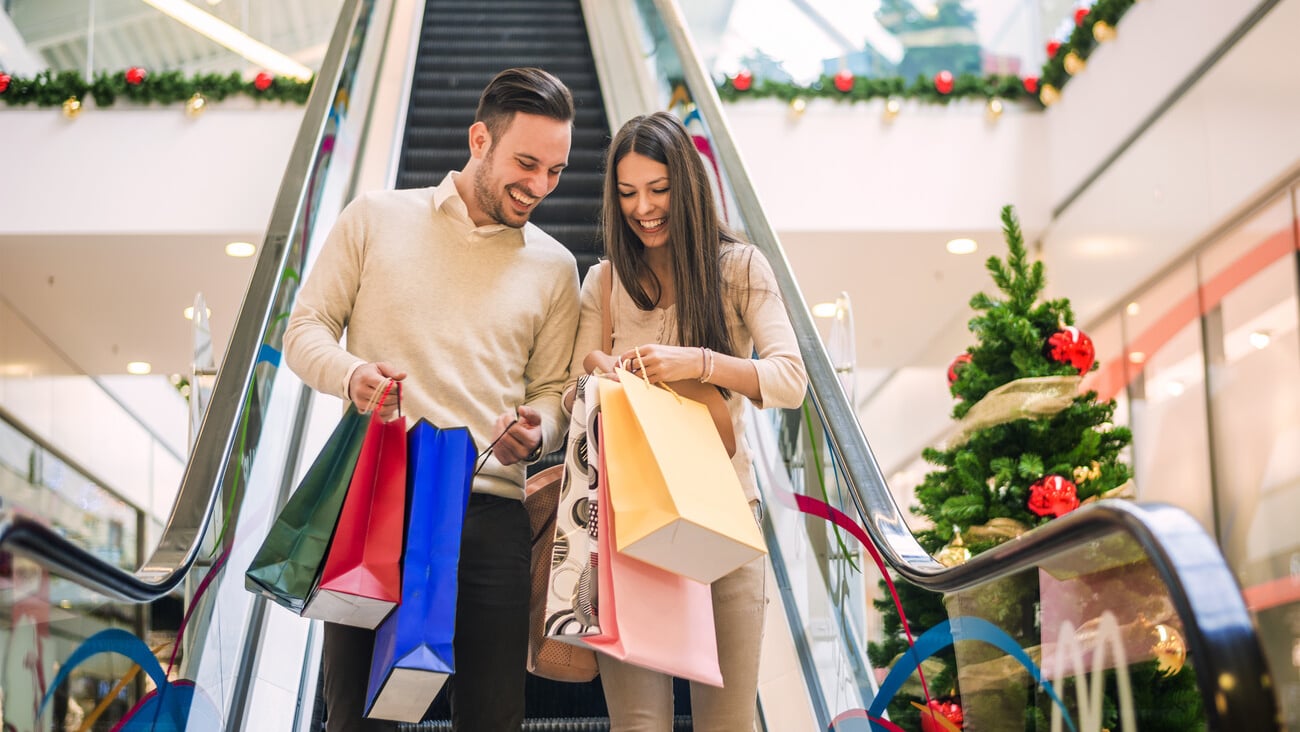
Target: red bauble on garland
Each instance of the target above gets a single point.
(955, 368)
(943, 82)
(1073, 346)
(263, 80)
(4, 82)
(1031, 84)
(1052, 48)
(1080, 15)
(949, 710)
(1053, 496)
(743, 80)
(844, 80)
(135, 75)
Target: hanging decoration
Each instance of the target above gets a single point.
(196, 105)
(844, 81)
(137, 84)
(954, 368)
(943, 82)
(1066, 57)
(71, 107)
(263, 80)
(1069, 345)
(1053, 495)
(1169, 649)
(954, 553)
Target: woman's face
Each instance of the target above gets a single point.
(643, 192)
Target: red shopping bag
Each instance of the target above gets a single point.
(650, 617)
(361, 580)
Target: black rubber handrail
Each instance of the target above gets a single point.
(1230, 666)
(209, 462)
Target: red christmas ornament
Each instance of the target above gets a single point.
(1073, 346)
(949, 710)
(135, 75)
(943, 82)
(1053, 496)
(4, 82)
(955, 368)
(1031, 84)
(844, 80)
(743, 80)
(263, 80)
(1079, 15)
(1052, 47)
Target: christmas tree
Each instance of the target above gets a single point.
(1028, 448)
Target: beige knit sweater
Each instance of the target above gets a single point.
(482, 319)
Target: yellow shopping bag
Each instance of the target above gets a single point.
(677, 501)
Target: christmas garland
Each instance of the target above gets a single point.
(52, 89)
(1093, 26)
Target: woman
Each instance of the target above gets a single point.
(689, 301)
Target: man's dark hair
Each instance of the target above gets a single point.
(528, 90)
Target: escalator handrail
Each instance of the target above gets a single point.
(208, 466)
(1229, 662)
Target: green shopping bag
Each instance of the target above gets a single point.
(290, 559)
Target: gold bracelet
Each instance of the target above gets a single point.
(703, 362)
(709, 376)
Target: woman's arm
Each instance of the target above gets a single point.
(587, 355)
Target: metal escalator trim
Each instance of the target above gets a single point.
(206, 471)
(1230, 666)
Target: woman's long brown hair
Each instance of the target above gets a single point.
(695, 235)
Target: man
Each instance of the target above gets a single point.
(451, 291)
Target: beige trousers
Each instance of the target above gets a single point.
(641, 700)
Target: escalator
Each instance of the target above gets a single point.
(85, 637)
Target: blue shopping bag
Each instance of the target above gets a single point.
(413, 651)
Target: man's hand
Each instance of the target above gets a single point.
(520, 439)
(368, 380)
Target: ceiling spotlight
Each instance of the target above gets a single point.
(139, 368)
(189, 312)
(1260, 339)
(1137, 357)
(1133, 308)
(1175, 388)
(240, 249)
(824, 310)
(962, 246)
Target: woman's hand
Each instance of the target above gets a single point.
(659, 363)
(599, 361)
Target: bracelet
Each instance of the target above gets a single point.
(709, 376)
(703, 362)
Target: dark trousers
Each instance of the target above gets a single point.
(491, 642)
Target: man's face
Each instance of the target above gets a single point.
(514, 173)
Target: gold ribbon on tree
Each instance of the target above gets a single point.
(1037, 396)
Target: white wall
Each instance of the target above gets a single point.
(143, 170)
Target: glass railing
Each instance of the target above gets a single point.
(173, 638)
(804, 41)
(1116, 615)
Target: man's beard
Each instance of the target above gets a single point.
(492, 200)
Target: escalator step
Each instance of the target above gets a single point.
(562, 724)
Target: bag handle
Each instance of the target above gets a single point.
(378, 397)
(606, 317)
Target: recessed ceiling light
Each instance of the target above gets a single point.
(1175, 388)
(1260, 339)
(1133, 308)
(962, 246)
(189, 312)
(15, 369)
(1137, 357)
(824, 310)
(139, 368)
(240, 249)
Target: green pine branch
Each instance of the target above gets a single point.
(53, 88)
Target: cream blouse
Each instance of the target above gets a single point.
(756, 321)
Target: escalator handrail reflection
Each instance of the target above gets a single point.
(1229, 662)
(208, 466)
